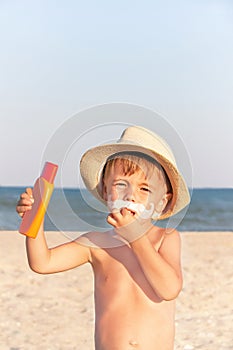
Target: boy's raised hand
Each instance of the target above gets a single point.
(25, 202)
(127, 226)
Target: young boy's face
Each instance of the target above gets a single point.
(136, 187)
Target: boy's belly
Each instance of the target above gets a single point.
(131, 323)
(129, 315)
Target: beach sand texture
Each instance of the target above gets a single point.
(55, 312)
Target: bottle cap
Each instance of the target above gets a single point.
(49, 172)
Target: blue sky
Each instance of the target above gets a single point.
(61, 57)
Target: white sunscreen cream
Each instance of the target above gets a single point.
(138, 208)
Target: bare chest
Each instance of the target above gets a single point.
(118, 273)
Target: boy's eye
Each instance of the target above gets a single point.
(145, 189)
(119, 184)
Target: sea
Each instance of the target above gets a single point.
(210, 209)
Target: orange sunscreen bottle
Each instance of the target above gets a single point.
(42, 192)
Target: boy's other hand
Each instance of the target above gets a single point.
(128, 226)
(25, 202)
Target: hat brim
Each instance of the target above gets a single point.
(93, 161)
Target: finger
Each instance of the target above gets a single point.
(111, 220)
(25, 202)
(126, 212)
(115, 211)
(26, 196)
(21, 210)
(29, 191)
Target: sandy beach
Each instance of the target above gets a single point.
(55, 312)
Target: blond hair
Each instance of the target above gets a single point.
(133, 162)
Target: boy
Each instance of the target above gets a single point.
(136, 265)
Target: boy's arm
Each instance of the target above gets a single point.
(43, 260)
(163, 268)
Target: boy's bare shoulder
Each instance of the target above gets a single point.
(162, 236)
(171, 243)
(171, 233)
(166, 232)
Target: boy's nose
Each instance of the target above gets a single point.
(129, 195)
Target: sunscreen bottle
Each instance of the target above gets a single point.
(42, 192)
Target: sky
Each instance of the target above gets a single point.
(61, 58)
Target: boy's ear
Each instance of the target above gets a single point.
(163, 202)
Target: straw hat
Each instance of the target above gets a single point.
(136, 139)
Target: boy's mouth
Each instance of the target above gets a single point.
(132, 207)
(132, 212)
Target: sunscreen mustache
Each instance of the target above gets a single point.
(138, 208)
